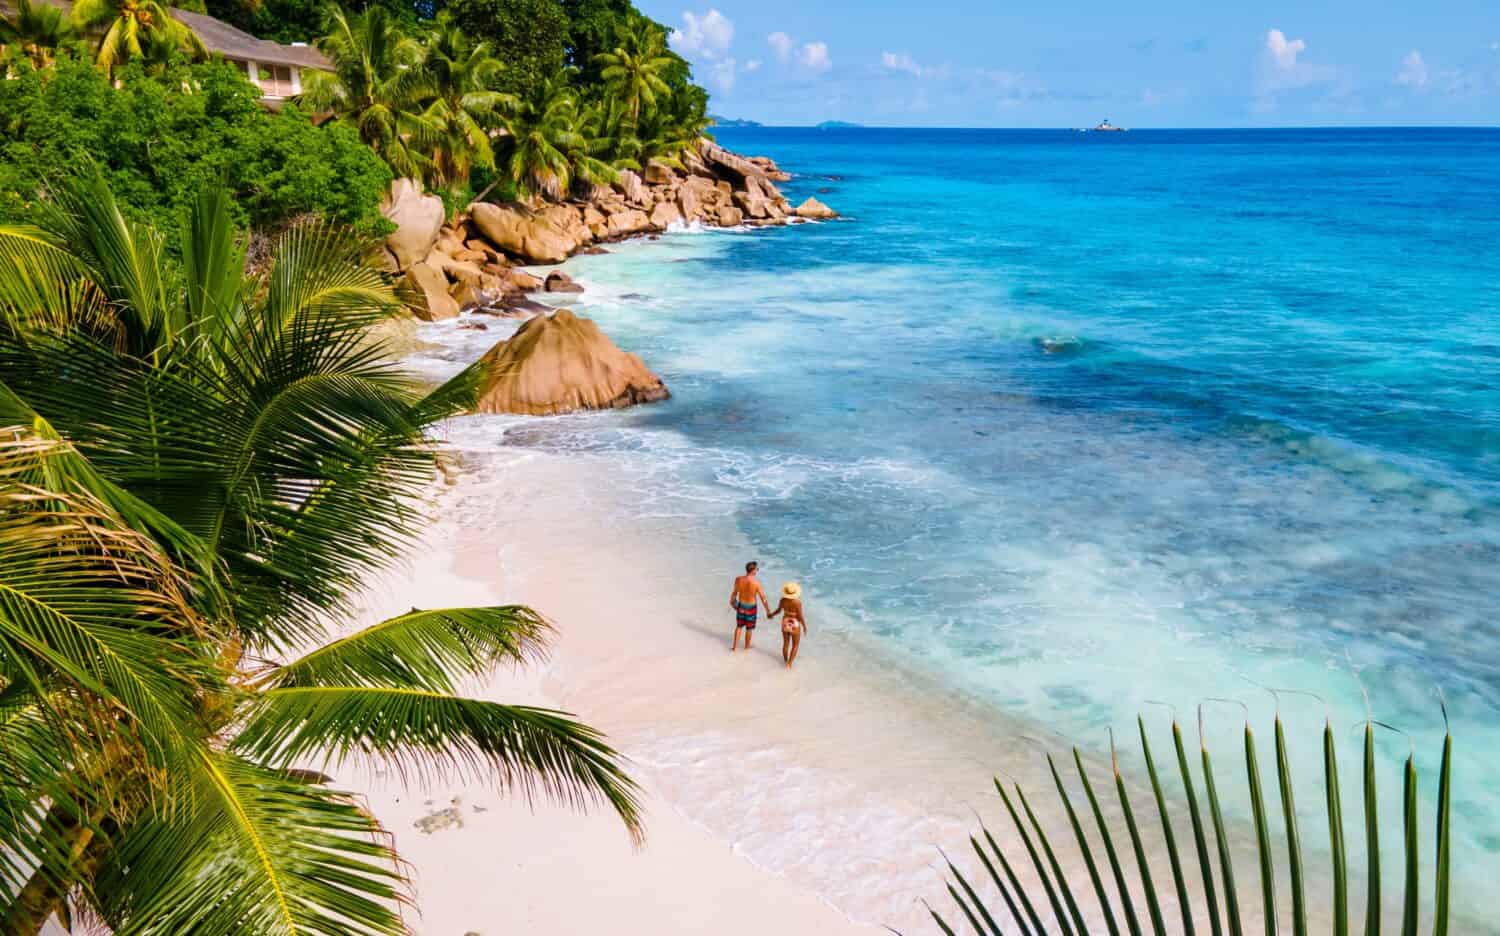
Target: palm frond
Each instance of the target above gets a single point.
(421, 650)
(520, 748)
(1195, 901)
(261, 852)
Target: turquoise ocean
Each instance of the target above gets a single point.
(1080, 423)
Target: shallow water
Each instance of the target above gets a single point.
(1076, 424)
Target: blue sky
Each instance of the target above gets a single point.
(1162, 63)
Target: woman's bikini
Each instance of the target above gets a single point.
(791, 616)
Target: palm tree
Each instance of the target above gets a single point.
(464, 104)
(1197, 896)
(635, 70)
(544, 139)
(37, 30)
(225, 460)
(589, 147)
(131, 25)
(378, 86)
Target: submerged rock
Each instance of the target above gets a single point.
(560, 364)
(559, 282)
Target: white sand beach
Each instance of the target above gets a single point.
(789, 802)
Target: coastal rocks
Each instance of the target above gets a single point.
(664, 215)
(687, 201)
(467, 295)
(814, 210)
(560, 364)
(428, 288)
(707, 185)
(769, 167)
(559, 282)
(723, 161)
(418, 219)
(630, 186)
(521, 281)
(630, 221)
(752, 204)
(657, 174)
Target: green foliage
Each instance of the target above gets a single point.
(593, 27)
(158, 145)
(528, 36)
(129, 27)
(35, 31)
(1055, 882)
(226, 459)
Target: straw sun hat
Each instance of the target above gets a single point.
(791, 590)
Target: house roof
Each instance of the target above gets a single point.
(219, 36)
(229, 41)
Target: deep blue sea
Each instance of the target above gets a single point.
(1080, 422)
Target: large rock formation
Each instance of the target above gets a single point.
(469, 261)
(529, 235)
(428, 289)
(418, 219)
(560, 364)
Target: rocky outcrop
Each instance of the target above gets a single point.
(532, 236)
(560, 364)
(427, 288)
(630, 186)
(812, 209)
(708, 185)
(725, 162)
(418, 219)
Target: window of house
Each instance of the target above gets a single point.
(276, 80)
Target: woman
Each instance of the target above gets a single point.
(793, 622)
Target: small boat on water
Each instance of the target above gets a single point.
(1106, 127)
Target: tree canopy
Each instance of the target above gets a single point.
(158, 146)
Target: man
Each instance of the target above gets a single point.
(742, 600)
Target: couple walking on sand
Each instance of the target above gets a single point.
(743, 597)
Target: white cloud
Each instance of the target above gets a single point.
(705, 35)
(814, 55)
(753, 65)
(781, 44)
(900, 61)
(721, 75)
(1283, 67)
(1284, 51)
(1413, 73)
(903, 62)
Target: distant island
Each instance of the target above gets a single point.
(733, 122)
(837, 125)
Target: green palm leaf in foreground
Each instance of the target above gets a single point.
(1021, 898)
(197, 470)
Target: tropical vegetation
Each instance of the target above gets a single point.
(158, 146)
(512, 98)
(453, 102)
(198, 467)
(1040, 896)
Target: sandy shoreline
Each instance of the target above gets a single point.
(486, 862)
(778, 801)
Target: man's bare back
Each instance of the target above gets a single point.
(742, 600)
